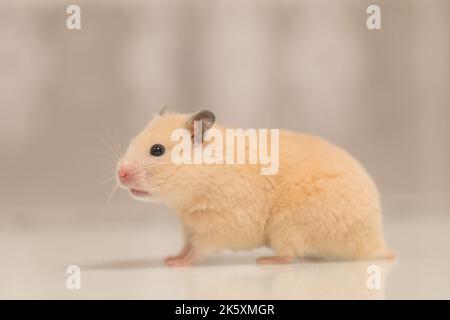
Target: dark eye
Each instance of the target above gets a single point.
(157, 150)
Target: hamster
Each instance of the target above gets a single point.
(321, 204)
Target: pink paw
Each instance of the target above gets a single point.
(178, 262)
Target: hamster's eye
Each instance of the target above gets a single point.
(157, 150)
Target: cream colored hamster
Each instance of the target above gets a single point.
(321, 204)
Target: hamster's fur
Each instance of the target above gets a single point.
(322, 204)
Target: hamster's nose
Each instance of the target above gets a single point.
(125, 174)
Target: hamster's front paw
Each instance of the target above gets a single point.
(179, 262)
(186, 257)
(186, 249)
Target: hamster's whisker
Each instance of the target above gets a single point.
(108, 180)
(111, 195)
(113, 145)
(115, 155)
(107, 161)
(117, 151)
(120, 149)
(116, 144)
(117, 148)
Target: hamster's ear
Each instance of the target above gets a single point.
(206, 118)
(163, 110)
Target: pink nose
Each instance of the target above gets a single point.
(125, 174)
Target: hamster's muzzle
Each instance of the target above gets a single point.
(125, 174)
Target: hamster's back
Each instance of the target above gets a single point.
(324, 200)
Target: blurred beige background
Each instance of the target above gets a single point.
(309, 66)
